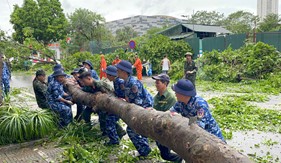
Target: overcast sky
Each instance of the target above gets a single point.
(117, 9)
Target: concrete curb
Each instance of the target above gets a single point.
(10, 147)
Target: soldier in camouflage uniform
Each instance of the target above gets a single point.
(137, 94)
(57, 99)
(88, 64)
(55, 68)
(5, 78)
(40, 89)
(191, 106)
(190, 68)
(92, 86)
(119, 90)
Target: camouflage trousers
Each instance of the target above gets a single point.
(78, 117)
(102, 121)
(5, 86)
(166, 153)
(101, 114)
(111, 131)
(140, 142)
(63, 111)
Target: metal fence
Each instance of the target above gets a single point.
(194, 43)
(235, 41)
(223, 42)
(216, 43)
(211, 43)
(271, 38)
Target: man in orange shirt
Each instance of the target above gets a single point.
(102, 67)
(116, 60)
(138, 66)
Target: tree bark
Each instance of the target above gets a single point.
(191, 142)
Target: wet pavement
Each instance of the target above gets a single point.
(22, 81)
(257, 143)
(30, 154)
(248, 142)
(274, 103)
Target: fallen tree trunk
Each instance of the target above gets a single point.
(190, 141)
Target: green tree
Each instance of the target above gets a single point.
(86, 26)
(154, 49)
(240, 22)
(270, 23)
(2, 37)
(155, 30)
(22, 52)
(207, 18)
(44, 18)
(125, 34)
(85, 23)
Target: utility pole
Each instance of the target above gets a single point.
(254, 31)
(193, 23)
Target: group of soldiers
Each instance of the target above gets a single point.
(125, 87)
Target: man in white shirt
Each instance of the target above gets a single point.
(165, 63)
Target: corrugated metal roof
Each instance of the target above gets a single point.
(181, 36)
(206, 28)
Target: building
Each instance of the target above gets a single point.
(56, 48)
(142, 23)
(266, 7)
(182, 31)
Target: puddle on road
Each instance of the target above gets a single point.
(261, 143)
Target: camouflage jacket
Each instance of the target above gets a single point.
(40, 90)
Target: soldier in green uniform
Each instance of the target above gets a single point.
(190, 68)
(92, 85)
(163, 101)
(40, 89)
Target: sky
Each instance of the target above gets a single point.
(118, 9)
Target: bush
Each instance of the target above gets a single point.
(154, 49)
(176, 71)
(72, 61)
(18, 124)
(255, 61)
